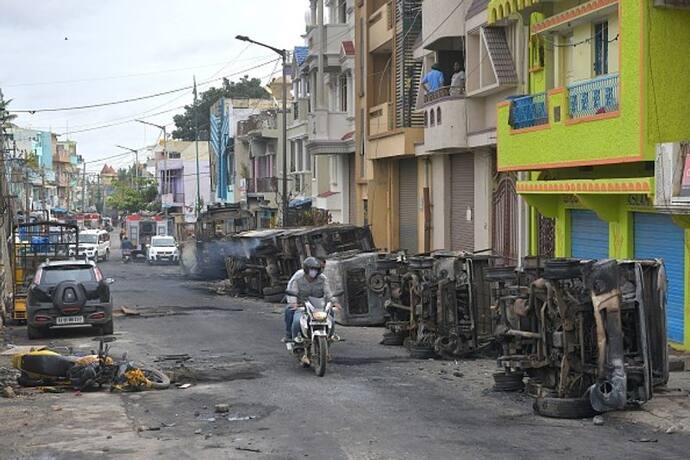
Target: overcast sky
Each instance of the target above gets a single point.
(45, 45)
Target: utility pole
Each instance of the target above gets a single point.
(164, 185)
(196, 147)
(83, 188)
(136, 165)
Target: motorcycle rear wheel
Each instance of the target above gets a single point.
(320, 356)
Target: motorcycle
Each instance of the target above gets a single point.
(126, 256)
(46, 367)
(311, 346)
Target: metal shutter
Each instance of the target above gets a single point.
(589, 236)
(657, 237)
(352, 188)
(408, 205)
(461, 198)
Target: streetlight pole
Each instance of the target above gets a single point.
(164, 186)
(197, 208)
(283, 54)
(136, 165)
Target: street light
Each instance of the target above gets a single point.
(164, 187)
(283, 55)
(136, 164)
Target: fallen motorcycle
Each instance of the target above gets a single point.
(48, 368)
(311, 346)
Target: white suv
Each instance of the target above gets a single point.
(162, 249)
(94, 244)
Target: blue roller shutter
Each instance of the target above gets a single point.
(589, 235)
(657, 237)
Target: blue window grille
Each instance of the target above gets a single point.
(592, 97)
(528, 111)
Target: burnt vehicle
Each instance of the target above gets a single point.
(264, 260)
(590, 336)
(69, 293)
(203, 256)
(435, 304)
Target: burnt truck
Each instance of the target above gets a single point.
(264, 261)
(141, 227)
(436, 304)
(204, 253)
(587, 336)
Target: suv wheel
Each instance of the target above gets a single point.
(34, 332)
(107, 328)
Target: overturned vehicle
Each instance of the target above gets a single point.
(589, 336)
(435, 304)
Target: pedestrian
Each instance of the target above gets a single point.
(458, 78)
(433, 80)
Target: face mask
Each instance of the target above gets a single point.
(313, 273)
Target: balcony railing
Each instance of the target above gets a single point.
(593, 97)
(528, 111)
(446, 92)
(262, 184)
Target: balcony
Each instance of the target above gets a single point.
(528, 111)
(262, 185)
(334, 36)
(381, 27)
(172, 199)
(578, 125)
(441, 31)
(381, 118)
(445, 120)
(593, 97)
(170, 164)
(260, 124)
(300, 109)
(62, 157)
(324, 124)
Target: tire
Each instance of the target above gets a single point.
(572, 408)
(504, 381)
(320, 356)
(157, 379)
(421, 352)
(107, 328)
(34, 332)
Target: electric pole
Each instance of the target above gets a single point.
(196, 147)
(83, 189)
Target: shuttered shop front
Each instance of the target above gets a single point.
(408, 205)
(462, 199)
(589, 235)
(656, 236)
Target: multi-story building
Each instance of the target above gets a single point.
(224, 116)
(66, 152)
(300, 164)
(600, 132)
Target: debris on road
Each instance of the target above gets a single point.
(184, 386)
(128, 311)
(8, 392)
(221, 408)
(598, 420)
(241, 419)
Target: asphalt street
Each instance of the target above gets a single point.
(374, 402)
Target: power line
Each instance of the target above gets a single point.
(134, 99)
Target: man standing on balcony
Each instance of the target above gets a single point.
(458, 79)
(433, 80)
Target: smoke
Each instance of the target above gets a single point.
(207, 259)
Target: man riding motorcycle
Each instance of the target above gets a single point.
(307, 282)
(126, 247)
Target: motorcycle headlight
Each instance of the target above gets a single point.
(320, 315)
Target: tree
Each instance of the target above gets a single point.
(186, 123)
(128, 199)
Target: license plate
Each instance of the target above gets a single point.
(62, 320)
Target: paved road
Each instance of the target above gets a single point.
(374, 402)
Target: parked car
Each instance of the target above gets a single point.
(162, 249)
(94, 244)
(69, 293)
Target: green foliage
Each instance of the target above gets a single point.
(5, 117)
(186, 122)
(128, 199)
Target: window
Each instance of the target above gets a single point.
(343, 92)
(292, 156)
(57, 274)
(601, 48)
(438, 115)
(307, 160)
(431, 121)
(342, 11)
(300, 159)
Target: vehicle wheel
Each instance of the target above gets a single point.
(157, 379)
(107, 328)
(564, 407)
(34, 332)
(508, 381)
(272, 290)
(418, 351)
(320, 356)
(392, 339)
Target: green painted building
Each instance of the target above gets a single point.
(600, 134)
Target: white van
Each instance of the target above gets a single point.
(94, 244)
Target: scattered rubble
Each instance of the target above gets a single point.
(221, 408)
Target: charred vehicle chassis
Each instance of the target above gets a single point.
(436, 304)
(590, 336)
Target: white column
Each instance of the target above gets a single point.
(483, 199)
